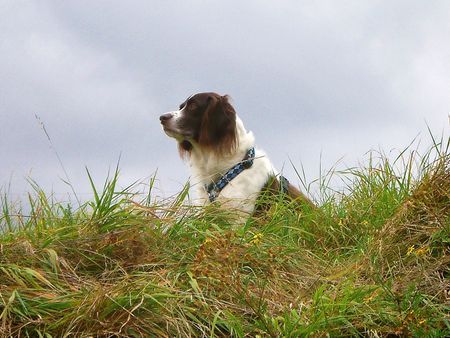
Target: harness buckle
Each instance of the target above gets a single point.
(247, 163)
(212, 195)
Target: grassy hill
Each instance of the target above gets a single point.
(372, 261)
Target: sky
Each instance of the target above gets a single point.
(318, 82)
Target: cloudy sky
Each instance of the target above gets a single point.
(316, 81)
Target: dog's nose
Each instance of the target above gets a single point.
(165, 117)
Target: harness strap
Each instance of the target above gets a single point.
(284, 184)
(213, 189)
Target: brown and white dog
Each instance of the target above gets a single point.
(213, 138)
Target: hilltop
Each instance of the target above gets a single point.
(371, 261)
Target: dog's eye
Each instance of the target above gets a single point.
(192, 106)
(182, 105)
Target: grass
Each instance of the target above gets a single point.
(372, 261)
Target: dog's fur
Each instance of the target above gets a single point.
(213, 138)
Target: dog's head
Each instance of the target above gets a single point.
(204, 120)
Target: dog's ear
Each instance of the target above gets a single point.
(218, 128)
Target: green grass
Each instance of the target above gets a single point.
(371, 261)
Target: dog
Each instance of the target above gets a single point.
(227, 168)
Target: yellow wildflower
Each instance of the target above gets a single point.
(369, 299)
(422, 251)
(410, 250)
(256, 239)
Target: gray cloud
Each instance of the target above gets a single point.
(306, 76)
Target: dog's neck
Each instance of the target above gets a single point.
(207, 166)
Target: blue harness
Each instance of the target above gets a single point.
(213, 189)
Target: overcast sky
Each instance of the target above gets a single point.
(314, 80)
